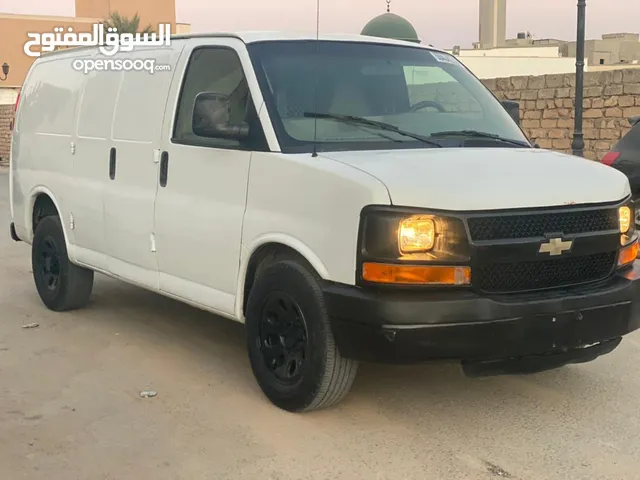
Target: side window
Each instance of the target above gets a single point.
(434, 84)
(216, 70)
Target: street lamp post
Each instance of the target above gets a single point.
(578, 135)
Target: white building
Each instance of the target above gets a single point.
(515, 61)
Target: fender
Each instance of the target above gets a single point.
(33, 194)
(247, 252)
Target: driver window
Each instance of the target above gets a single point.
(434, 90)
(212, 69)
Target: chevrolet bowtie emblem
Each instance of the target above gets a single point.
(556, 246)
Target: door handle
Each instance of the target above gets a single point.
(164, 168)
(112, 163)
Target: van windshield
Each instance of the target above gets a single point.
(340, 93)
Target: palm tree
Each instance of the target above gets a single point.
(126, 25)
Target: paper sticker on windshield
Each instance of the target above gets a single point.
(444, 58)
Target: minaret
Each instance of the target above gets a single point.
(493, 23)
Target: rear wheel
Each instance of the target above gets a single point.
(60, 284)
(291, 347)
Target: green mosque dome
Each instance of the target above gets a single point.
(390, 25)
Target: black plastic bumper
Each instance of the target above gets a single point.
(489, 334)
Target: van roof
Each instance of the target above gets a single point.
(264, 36)
(267, 36)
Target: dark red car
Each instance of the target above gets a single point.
(625, 156)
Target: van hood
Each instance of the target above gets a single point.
(488, 178)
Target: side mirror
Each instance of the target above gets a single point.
(211, 118)
(513, 108)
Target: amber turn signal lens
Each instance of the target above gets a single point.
(416, 274)
(628, 254)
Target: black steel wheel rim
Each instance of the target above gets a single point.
(283, 337)
(49, 266)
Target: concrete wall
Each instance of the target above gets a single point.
(152, 12)
(92, 8)
(606, 68)
(492, 67)
(547, 107)
(610, 50)
(517, 61)
(546, 51)
(183, 28)
(6, 115)
(8, 96)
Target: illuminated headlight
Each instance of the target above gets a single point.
(416, 234)
(403, 247)
(625, 218)
(392, 234)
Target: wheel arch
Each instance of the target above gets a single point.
(43, 202)
(267, 247)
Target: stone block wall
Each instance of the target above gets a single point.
(547, 107)
(6, 115)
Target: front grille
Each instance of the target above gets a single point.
(540, 224)
(539, 275)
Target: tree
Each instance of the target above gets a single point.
(126, 25)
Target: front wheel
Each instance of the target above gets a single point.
(291, 347)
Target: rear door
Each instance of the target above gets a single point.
(93, 139)
(131, 166)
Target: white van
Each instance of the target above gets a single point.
(348, 199)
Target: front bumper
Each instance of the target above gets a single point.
(489, 334)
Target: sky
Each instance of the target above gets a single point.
(440, 23)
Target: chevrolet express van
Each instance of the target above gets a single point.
(348, 199)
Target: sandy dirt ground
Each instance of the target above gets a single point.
(70, 406)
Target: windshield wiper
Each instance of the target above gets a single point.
(478, 134)
(352, 119)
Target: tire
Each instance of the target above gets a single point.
(291, 348)
(61, 285)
